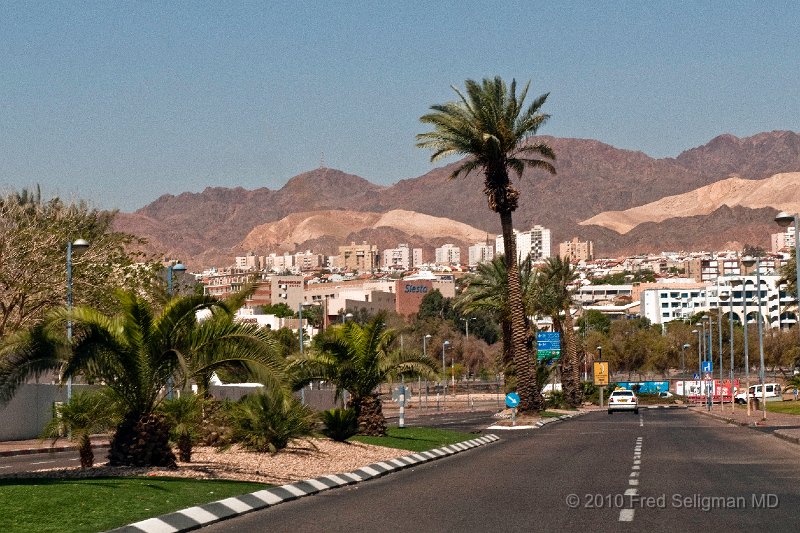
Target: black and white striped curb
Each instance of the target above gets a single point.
(203, 515)
(541, 422)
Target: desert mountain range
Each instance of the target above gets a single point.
(722, 194)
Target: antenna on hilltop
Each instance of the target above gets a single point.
(322, 160)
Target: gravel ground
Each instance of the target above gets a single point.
(300, 460)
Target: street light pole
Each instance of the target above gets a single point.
(425, 354)
(79, 244)
(171, 269)
(784, 219)
(749, 261)
(699, 351)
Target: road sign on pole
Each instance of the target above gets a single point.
(601, 372)
(708, 366)
(548, 345)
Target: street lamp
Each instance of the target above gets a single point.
(748, 262)
(722, 296)
(77, 246)
(683, 357)
(726, 296)
(784, 220)
(445, 344)
(172, 270)
(346, 317)
(699, 356)
(466, 325)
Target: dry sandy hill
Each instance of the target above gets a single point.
(301, 227)
(781, 191)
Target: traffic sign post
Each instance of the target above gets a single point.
(512, 401)
(601, 373)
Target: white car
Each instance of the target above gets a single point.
(623, 400)
(772, 392)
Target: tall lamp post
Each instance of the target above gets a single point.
(723, 296)
(748, 262)
(445, 344)
(699, 352)
(172, 270)
(78, 245)
(784, 220)
(683, 357)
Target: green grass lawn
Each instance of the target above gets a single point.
(789, 408)
(415, 439)
(99, 504)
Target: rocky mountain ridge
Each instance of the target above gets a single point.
(211, 227)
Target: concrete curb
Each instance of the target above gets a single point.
(47, 449)
(203, 515)
(540, 423)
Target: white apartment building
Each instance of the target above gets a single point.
(480, 253)
(782, 241)
(664, 302)
(397, 258)
(248, 262)
(305, 261)
(534, 242)
(278, 263)
(448, 254)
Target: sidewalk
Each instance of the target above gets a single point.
(783, 426)
(27, 447)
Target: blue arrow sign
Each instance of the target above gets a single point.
(512, 399)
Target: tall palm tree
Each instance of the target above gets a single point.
(487, 290)
(491, 126)
(553, 297)
(135, 353)
(358, 359)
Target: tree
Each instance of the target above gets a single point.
(553, 297)
(33, 239)
(487, 292)
(87, 412)
(136, 353)
(789, 275)
(491, 126)
(357, 359)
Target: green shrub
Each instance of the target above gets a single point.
(268, 422)
(340, 424)
(556, 399)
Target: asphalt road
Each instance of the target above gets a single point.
(37, 461)
(662, 470)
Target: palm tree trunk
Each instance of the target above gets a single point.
(370, 415)
(521, 339)
(572, 376)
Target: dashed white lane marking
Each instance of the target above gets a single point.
(626, 515)
(641, 421)
(5, 467)
(42, 462)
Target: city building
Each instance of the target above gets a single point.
(534, 243)
(479, 253)
(576, 250)
(784, 241)
(250, 261)
(448, 254)
(359, 257)
(397, 258)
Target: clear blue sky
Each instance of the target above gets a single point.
(118, 103)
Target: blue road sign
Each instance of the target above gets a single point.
(512, 399)
(696, 375)
(708, 366)
(548, 344)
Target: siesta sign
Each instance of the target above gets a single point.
(416, 289)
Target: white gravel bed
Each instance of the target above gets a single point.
(300, 460)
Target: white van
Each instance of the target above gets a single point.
(772, 392)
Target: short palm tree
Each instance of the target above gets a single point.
(491, 125)
(553, 297)
(358, 359)
(185, 414)
(86, 413)
(136, 353)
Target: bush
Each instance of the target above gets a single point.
(268, 422)
(556, 400)
(340, 424)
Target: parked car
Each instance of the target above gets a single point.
(623, 400)
(665, 394)
(772, 392)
